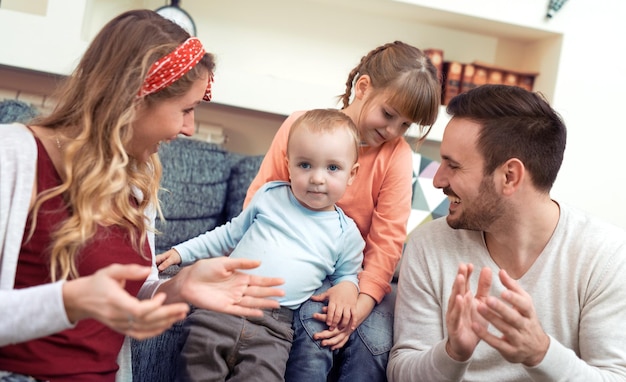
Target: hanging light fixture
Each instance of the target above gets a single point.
(178, 15)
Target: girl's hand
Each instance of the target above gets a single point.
(337, 338)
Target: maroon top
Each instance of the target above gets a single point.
(88, 352)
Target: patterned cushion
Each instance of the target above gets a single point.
(428, 203)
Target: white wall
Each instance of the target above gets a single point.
(590, 96)
(50, 43)
(297, 54)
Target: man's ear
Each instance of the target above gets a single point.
(513, 173)
(353, 172)
(362, 85)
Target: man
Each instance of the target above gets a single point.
(539, 292)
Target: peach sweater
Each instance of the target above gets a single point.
(379, 201)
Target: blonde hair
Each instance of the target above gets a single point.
(326, 120)
(97, 104)
(404, 74)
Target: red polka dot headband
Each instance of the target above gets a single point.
(172, 67)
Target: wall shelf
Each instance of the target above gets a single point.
(283, 55)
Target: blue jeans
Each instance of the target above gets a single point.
(363, 358)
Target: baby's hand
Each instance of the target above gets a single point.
(168, 258)
(341, 310)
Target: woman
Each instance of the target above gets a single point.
(78, 190)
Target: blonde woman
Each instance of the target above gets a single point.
(77, 190)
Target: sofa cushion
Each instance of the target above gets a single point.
(428, 203)
(243, 170)
(175, 231)
(193, 190)
(195, 179)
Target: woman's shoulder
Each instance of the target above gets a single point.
(18, 158)
(14, 129)
(16, 137)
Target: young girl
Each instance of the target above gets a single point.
(394, 86)
(78, 187)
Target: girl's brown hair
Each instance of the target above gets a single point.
(407, 76)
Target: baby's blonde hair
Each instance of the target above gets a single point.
(326, 120)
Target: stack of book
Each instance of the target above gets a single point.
(457, 77)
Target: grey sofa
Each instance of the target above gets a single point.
(203, 186)
(12, 110)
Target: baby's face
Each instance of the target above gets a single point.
(321, 167)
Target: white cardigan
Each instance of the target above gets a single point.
(37, 311)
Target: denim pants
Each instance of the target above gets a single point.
(363, 358)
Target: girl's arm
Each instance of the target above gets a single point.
(387, 232)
